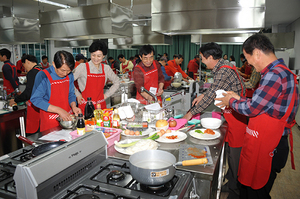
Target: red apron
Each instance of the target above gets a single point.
(262, 137)
(126, 70)
(150, 80)
(248, 69)
(94, 88)
(59, 97)
(113, 68)
(237, 123)
(6, 83)
(250, 91)
(33, 116)
(45, 66)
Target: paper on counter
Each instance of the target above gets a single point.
(219, 94)
(58, 135)
(133, 100)
(153, 107)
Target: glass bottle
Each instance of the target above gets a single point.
(80, 125)
(116, 119)
(98, 113)
(89, 109)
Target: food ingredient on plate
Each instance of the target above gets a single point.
(142, 145)
(172, 123)
(199, 131)
(161, 123)
(209, 131)
(137, 126)
(196, 153)
(152, 137)
(168, 131)
(129, 132)
(172, 137)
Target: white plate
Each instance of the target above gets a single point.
(149, 130)
(204, 136)
(186, 86)
(180, 137)
(123, 150)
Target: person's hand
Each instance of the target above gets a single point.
(76, 110)
(225, 100)
(80, 99)
(64, 115)
(104, 96)
(172, 78)
(160, 92)
(11, 102)
(197, 100)
(188, 116)
(186, 80)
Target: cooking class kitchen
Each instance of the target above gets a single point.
(149, 99)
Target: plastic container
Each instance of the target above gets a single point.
(115, 135)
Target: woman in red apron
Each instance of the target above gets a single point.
(92, 77)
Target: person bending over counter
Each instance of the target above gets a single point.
(174, 66)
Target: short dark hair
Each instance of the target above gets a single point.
(44, 57)
(121, 56)
(110, 58)
(166, 54)
(212, 49)
(196, 56)
(98, 45)
(259, 41)
(30, 58)
(137, 55)
(179, 56)
(232, 58)
(146, 49)
(6, 52)
(64, 57)
(242, 56)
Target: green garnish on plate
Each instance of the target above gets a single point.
(199, 131)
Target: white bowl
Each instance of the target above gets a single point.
(164, 128)
(211, 123)
(176, 84)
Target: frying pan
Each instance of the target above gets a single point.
(156, 167)
(40, 149)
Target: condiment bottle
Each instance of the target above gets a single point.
(80, 125)
(98, 113)
(15, 107)
(89, 109)
(116, 119)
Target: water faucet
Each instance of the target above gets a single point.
(182, 92)
(149, 93)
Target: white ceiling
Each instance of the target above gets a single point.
(278, 12)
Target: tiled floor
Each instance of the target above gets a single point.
(287, 183)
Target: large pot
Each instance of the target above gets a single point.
(156, 167)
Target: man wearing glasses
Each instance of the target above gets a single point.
(148, 74)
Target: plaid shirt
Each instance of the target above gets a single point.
(225, 79)
(254, 79)
(273, 95)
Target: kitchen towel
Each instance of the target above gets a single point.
(219, 94)
(180, 123)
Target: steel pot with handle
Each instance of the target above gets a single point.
(156, 167)
(40, 149)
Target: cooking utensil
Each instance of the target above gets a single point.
(40, 149)
(177, 77)
(68, 124)
(156, 167)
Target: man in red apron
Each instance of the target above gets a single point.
(174, 66)
(115, 66)
(10, 77)
(53, 91)
(193, 67)
(225, 78)
(126, 65)
(272, 111)
(92, 76)
(148, 74)
(33, 113)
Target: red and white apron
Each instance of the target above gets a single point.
(59, 97)
(262, 137)
(237, 123)
(6, 83)
(45, 66)
(94, 88)
(33, 116)
(126, 70)
(150, 83)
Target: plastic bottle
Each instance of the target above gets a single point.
(80, 125)
(116, 119)
(98, 113)
(89, 109)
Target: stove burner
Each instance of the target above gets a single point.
(87, 196)
(155, 188)
(115, 176)
(5, 174)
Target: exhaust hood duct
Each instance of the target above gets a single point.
(142, 35)
(285, 40)
(111, 45)
(100, 21)
(16, 30)
(221, 38)
(175, 17)
(73, 44)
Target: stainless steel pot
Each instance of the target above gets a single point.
(178, 77)
(156, 167)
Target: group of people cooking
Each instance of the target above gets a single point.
(258, 127)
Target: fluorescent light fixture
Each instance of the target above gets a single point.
(53, 3)
(134, 24)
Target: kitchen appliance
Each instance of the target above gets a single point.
(81, 168)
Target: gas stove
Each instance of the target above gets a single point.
(81, 169)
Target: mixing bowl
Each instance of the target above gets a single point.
(176, 84)
(211, 123)
(68, 124)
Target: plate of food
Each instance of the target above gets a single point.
(140, 145)
(171, 136)
(136, 134)
(205, 134)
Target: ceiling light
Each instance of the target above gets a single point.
(53, 3)
(134, 24)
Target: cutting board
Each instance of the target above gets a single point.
(190, 152)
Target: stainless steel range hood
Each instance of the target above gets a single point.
(220, 38)
(107, 20)
(16, 30)
(143, 35)
(174, 17)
